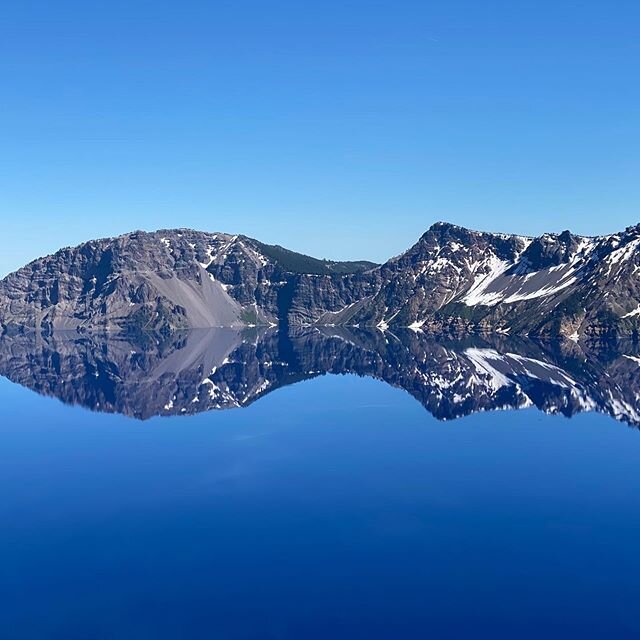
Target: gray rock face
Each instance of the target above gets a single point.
(453, 280)
(161, 281)
(139, 280)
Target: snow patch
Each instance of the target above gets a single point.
(476, 294)
(480, 358)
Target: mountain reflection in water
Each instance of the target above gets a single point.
(223, 368)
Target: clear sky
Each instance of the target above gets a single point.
(341, 129)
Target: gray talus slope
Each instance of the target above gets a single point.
(160, 281)
(139, 280)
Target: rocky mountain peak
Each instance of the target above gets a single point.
(551, 250)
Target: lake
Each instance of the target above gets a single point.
(329, 483)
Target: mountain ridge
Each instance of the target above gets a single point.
(453, 279)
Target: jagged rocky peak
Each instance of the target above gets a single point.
(444, 235)
(471, 252)
(551, 250)
(632, 233)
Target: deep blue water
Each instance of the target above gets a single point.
(333, 508)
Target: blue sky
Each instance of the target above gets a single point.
(340, 129)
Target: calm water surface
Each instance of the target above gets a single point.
(333, 508)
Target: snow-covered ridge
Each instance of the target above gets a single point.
(506, 281)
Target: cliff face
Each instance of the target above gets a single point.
(452, 280)
(161, 281)
(139, 280)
